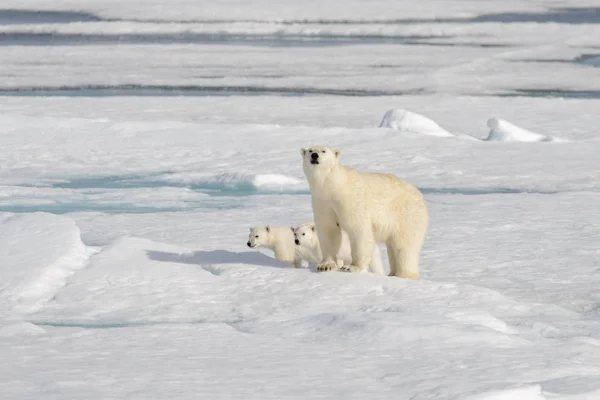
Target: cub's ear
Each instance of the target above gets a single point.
(250, 229)
(267, 229)
(293, 229)
(313, 228)
(337, 153)
(303, 152)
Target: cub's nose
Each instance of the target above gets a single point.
(297, 241)
(314, 156)
(249, 244)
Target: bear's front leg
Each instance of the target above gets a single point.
(330, 238)
(361, 244)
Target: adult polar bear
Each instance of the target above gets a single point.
(371, 207)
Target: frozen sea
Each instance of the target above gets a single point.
(140, 139)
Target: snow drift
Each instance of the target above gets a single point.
(408, 121)
(504, 131)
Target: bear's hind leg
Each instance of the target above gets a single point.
(392, 259)
(405, 258)
(376, 265)
(407, 243)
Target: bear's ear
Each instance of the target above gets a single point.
(303, 152)
(267, 228)
(251, 228)
(337, 153)
(293, 229)
(313, 228)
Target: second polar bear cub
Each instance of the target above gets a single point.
(308, 241)
(281, 241)
(370, 207)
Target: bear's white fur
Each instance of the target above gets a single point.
(281, 241)
(307, 239)
(371, 207)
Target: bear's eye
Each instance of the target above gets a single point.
(323, 151)
(256, 236)
(310, 150)
(304, 234)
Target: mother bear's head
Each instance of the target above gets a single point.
(318, 157)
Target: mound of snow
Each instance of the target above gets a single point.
(504, 131)
(276, 182)
(261, 183)
(408, 121)
(240, 182)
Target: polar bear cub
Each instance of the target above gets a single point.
(370, 207)
(280, 240)
(307, 239)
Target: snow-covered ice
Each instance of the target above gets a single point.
(139, 140)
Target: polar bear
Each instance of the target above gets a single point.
(281, 241)
(307, 239)
(371, 207)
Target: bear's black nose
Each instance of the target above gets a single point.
(249, 244)
(297, 241)
(314, 156)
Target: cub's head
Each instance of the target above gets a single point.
(319, 157)
(258, 236)
(305, 235)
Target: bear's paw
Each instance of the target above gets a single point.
(352, 268)
(327, 266)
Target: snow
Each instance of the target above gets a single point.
(140, 140)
